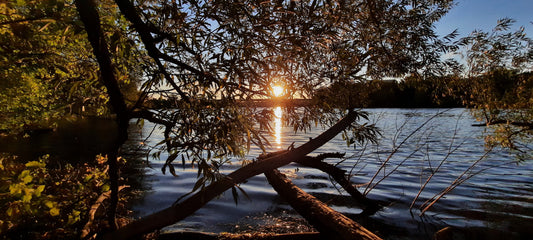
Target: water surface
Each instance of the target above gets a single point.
(498, 197)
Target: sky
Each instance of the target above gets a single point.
(469, 15)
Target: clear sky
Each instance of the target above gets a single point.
(469, 15)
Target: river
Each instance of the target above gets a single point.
(497, 199)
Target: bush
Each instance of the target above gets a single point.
(41, 203)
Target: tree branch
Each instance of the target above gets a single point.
(128, 9)
(94, 209)
(150, 116)
(91, 20)
(340, 177)
(27, 20)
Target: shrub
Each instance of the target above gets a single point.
(42, 203)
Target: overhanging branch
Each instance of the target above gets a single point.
(183, 209)
(129, 11)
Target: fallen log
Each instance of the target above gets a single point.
(327, 221)
(183, 209)
(339, 175)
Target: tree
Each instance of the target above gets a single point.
(45, 67)
(48, 72)
(496, 82)
(213, 56)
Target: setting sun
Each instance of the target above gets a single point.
(277, 90)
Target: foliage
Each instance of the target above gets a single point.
(46, 67)
(42, 203)
(212, 56)
(503, 100)
(497, 83)
(501, 48)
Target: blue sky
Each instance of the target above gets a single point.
(469, 15)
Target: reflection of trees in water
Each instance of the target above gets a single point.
(73, 141)
(78, 142)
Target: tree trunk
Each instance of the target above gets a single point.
(91, 21)
(181, 210)
(326, 220)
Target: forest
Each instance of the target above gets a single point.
(198, 71)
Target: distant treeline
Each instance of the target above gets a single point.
(410, 92)
(507, 88)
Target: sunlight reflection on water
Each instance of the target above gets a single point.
(278, 113)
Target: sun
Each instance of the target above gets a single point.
(277, 90)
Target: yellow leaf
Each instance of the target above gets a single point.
(15, 189)
(27, 197)
(75, 213)
(39, 190)
(9, 212)
(49, 204)
(54, 211)
(35, 164)
(74, 217)
(27, 179)
(24, 174)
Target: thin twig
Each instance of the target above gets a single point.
(450, 152)
(396, 150)
(459, 180)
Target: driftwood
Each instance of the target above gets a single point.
(181, 210)
(339, 175)
(328, 222)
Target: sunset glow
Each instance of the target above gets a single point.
(277, 90)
